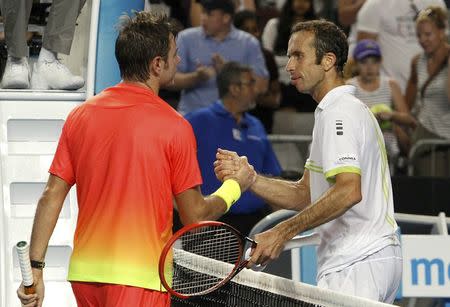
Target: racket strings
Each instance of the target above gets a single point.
(212, 243)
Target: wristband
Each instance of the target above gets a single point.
(37, 264)
(229, 191)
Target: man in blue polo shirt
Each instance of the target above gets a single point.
(226, 124)
(203, 51)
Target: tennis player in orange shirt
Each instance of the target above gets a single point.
(129, 154)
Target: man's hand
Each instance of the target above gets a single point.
(204, 73)
(230, 166)
(269, 247)
(384, 116)
(33, 300)
(218, 62)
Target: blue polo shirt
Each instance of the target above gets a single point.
(195, 47)
(215, 127)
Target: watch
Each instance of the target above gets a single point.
(37, 264)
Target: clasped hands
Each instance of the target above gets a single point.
(229, 165)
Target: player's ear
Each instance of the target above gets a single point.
(234, 89)
(157, 65)
(328, 61)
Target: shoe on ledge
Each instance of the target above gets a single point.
(16, 74)
(53, 75)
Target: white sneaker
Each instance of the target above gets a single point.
(17, 74)
(54, 76)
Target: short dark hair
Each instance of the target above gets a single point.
(242, 16)
(328, 37)
(142, 37)
(226, 6)
(229, 74)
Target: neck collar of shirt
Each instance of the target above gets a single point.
(132, 88)
(332, 95)
(219, 109)
(231, 35)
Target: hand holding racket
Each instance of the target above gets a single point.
(27, 291)
(23, 254)
(205, 244)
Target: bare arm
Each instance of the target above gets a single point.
(367, 35)
(278, 193)
(194, 207)
(411, 88)
(401, 115)
(191, 79)
(283, 194)
(47, 213)
(348, 10)
(343, 195)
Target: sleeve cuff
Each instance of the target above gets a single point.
(331, 174)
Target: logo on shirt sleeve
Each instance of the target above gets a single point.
(339, 127)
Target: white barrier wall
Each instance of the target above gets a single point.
(29, 136)
(426, 265)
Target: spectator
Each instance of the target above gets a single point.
(268, 102)
(48, 72)
(347, 12)
(391, 24)
(227, 124)
(204, 50)
(383, 96)
(275, 38)
(427, 91)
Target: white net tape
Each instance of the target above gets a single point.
(278, 285)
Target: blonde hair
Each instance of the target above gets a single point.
(434, 14)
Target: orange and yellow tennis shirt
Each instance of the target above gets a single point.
(128, 152)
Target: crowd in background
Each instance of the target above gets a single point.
(414, 105)
(398, 61)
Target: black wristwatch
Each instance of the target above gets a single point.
(37, 264)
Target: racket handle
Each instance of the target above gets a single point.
(258, 267)
(29, 289)
(23, 253)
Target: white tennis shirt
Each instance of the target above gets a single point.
(347, 138)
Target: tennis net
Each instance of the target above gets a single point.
(254, 289)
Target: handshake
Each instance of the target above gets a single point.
(229, 165)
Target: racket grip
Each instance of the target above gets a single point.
(29, 289)
(23, 253)
(258, 267)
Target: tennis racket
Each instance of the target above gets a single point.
(23, 253)
(204, 245)
(198, 245)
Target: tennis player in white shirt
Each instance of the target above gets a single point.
(345, 192)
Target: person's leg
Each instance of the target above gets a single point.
(49, 73)
(16, 14)
(376, 277)
(120, 296)
(58, 34)
(86, 293)
(110, 295)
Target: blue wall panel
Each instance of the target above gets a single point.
(107, 70)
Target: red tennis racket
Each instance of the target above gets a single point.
(204, 244)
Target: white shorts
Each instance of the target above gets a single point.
(376, 277)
